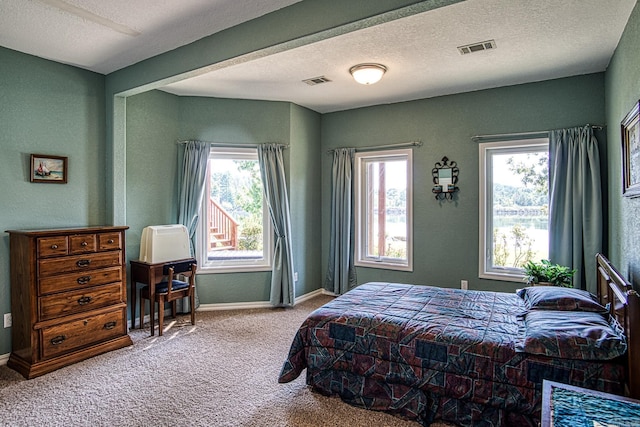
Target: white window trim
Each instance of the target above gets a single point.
(515, 146)
(232, 265)
(360, 259)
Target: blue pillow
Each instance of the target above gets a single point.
(559, 298)
(579, 335)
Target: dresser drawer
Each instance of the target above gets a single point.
(82, 243)
(80, 280)
(63, 304)
(63, 338)
(52, 246)
(77, 263)
(68, 296)
(109, 241)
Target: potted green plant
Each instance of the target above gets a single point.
(546, 273)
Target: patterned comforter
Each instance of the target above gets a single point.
(429, 353)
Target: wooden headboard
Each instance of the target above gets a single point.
(624, 303)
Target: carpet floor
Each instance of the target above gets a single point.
(221, 372)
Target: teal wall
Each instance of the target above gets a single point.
(306, 209)
(123, 159)
(157, 120)
(300, 24)
(446, 232)
(234, 121)
(151, 164)
(47, 108)
(622, 91)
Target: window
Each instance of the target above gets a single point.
(514, 206)
(235, 228)
(383, 209)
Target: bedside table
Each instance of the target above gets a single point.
(566, 405)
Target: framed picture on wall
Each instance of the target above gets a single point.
(631, 153)
(51, 169)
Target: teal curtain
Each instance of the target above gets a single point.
(191, 191)
(341, 273)
(275, 190)
(575, 203)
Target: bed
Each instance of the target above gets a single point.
(469, 357)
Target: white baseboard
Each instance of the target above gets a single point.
(331, 294)
(258, 304)
(4, 358)
(313, 294)
(234, 306)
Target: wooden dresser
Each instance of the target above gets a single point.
(68, 296)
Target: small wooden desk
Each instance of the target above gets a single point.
(632, 405)
(147, 274)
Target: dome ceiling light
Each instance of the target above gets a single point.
(367, 74)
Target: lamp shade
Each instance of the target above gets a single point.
(367, 74)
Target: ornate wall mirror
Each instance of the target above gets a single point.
(445, 179)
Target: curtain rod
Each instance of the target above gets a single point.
(231, 144)
(542, 133)
(382, 147)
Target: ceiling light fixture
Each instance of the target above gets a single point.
(368, 74)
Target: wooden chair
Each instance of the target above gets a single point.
(171, 290)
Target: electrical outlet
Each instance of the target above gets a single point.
(7, 320)
(464, 284)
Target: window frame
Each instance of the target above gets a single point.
(207, 266)
(360, 259)
(485, 253)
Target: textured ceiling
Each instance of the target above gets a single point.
(536, 40)
(92, 34)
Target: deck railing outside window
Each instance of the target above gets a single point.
(223, 229)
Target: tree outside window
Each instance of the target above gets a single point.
(383, 209)
(235, 229)
(514, 206)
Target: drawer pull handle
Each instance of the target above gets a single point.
(83, 244)
(110, 241)
(54, 246)
(84, 280)
(58, 340)
(83, 263)
(110, 325)
(84, 300)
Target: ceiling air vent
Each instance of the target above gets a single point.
(316, 80)
(477, 47)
